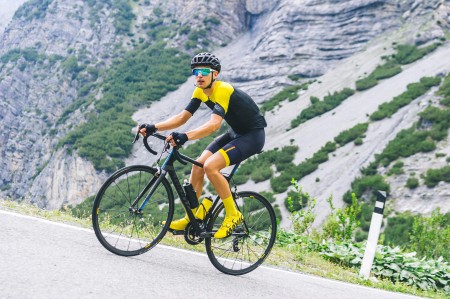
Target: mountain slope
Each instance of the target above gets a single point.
(335, 42)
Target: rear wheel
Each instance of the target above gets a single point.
(251, 241)
(125, 229)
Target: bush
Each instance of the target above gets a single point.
(392, 264)
(296, 200)
(386, 70)
(398, 230)
(434, 176)
(303, 218)
(33, 9)
(366, 83)
(289, 93)
(444, 89)
(409, 53)
(430, 235)
(412, 182)
(405, 144)
(396, 169)
(211, 20)
(367, 185)
(351, 134)
(358, 141)
(329, 102)
(130, 83)
(341, 224)
(413, 91)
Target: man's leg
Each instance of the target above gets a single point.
(233, 217)
(197, 178)
(198, 173)
(212, 167)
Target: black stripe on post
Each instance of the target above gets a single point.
(381, 198)
(378, 210)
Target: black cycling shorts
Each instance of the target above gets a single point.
(235, 147)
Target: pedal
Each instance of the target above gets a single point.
(207, 234)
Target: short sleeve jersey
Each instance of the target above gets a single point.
(235, 106)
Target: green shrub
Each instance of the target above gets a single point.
(329, 102)
(366, 83)
(314, 100)
(406, 143)
(444, 89)
(386, 70)
(430, 235)
(289, 93)
(211, 20)
(341, 224)
(434, 176)
(396, 169)
(365, 216)
(330, 147)
(351, 134)
(409, 53)
(405, 54)
(413, 91)
(296, 200)
(367, 185)
(302, 218)
(33, 9)
(262, 174)
(391, 263)
(131, 83)
(412, 182)
(123, 16)
(398, 230)
(358, 141)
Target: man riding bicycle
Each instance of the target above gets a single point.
(245, 137)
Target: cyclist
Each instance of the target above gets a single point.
(245, 137)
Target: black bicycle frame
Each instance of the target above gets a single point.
(168, 168)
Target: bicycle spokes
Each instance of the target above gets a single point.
(119, 222)
(250, 241)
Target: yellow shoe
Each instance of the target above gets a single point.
(179, 224)
(228, 225)
(203, 208)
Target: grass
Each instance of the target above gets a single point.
(291, 257)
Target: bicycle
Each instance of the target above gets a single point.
(133, 210)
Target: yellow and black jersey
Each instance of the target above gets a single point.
(235, 106)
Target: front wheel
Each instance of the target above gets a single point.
(251, 241)
(126, 229)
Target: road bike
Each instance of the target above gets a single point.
(133, 210)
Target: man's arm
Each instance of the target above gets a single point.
(174, 122)
(207, 128)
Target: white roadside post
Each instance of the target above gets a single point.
(374, 233)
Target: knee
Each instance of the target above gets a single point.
(196, 170)
(209, 169)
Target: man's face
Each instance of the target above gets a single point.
(204, 76)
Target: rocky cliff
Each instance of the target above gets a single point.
(259, 42)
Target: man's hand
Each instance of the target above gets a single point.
(176, 138)
(145, 129)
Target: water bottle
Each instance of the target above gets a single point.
(190, 194)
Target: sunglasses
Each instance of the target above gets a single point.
(204, 72)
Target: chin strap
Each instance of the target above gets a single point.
(212, 81)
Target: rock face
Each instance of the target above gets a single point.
(7, 12)
(34, 93)
(262, 43)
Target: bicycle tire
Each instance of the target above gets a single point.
(251, 241)
(127, 232)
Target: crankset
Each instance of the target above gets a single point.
(191, 236)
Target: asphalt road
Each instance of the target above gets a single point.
(44, 259)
